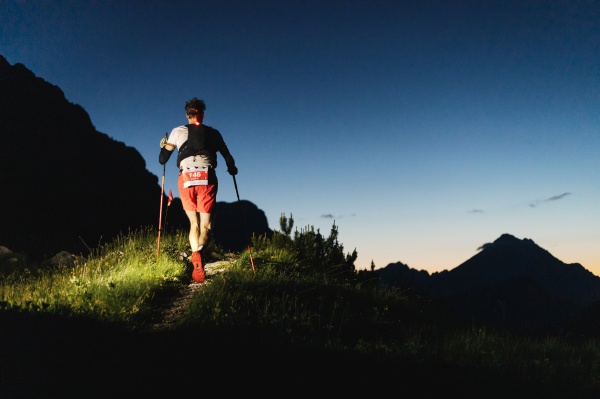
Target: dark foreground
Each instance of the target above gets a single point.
(49, 356)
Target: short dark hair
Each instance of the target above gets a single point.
(195, 107)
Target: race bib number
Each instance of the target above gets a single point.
(198, 176)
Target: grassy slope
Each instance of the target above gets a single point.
(289, 329)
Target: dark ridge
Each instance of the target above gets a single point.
(512, 284)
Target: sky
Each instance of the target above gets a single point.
(421, 129)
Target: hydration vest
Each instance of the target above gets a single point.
(196, 144)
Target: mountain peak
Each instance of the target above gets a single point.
(510, 239)
(512, 283)
(506, 238)
(509, 257)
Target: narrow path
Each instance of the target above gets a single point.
(171, 310)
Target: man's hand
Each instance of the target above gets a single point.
(232, 170)
(163, 142)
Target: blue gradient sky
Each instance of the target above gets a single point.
(423, 129)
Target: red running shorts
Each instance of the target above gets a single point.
(201, 198)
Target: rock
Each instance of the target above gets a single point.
(64, 259)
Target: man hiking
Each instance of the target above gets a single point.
(197, 146)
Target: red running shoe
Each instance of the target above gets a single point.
(198, 273)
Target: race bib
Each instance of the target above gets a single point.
(196, 176)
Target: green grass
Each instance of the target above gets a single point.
(113, 284)
(302, 307)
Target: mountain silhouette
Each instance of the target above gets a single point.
(66, 186)
(511, 283)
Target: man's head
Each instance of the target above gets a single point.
(195, 107)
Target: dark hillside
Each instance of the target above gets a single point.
(507, 258)
(234, 223)
(65, 185)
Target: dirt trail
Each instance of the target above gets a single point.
(172, 308)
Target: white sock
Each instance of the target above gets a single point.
(200, 248)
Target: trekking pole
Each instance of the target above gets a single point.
(243, 221)
(162, 194)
